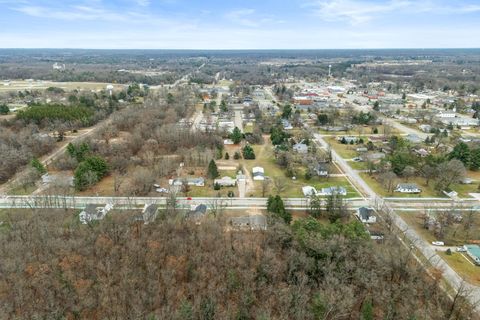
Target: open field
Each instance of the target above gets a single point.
(427, 191)
(20, 85)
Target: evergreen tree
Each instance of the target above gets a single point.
(227, 156)
(475, 159)
(236, 135)
(248, 153)
(276, 206)
(461, 152)
(35, 163)
(212, 171)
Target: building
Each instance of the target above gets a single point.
(226, 182)
(196, 182)
(473, 252)
(446, 114)
(197, 212)
(407, 188)
(300, 147)
(92, 212)
(252, 223)
(425, 128)
(348, 139)
(365, 215)
(321, 170)
(413, 138)
(309, 191)
(258, 173)
(333, 191)
(286, 125)
(149, 213)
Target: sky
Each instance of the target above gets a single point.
(246, 24)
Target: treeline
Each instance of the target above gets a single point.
(176, 269)
(37, 113)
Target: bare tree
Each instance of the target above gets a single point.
(280, 184)
(388, 180)
(265, 186)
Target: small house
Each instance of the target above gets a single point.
(226, 182)
(300, 148)
(333, 191)
(258, 173)
(407, 188)
(366, 215)
(321, 170)
(93, 212)
(309, 191)
(149, 213)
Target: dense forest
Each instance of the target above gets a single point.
(53, 267)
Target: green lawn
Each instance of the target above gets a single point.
(265, 158)
(463, 266)
(427, 191)
(358, 165)
(346, 151)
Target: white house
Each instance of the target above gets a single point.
(258, 173)
(92, 212)
(365, 215)
(309, 191)
(226, 182)
(408, 188)
(197, 182)
(333, 191)
(446, 114)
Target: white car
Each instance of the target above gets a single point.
(438, 243)
(460, 249)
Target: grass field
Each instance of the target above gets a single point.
(346, 151)
(68, 86)
(463, 266)
(427, 191)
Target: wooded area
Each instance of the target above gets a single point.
(53, 267)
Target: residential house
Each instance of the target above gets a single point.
(252, 223)
(309, 191)
(197, 212)
(366, 215)
(348, 139)
(425, 128)
(407, 188)
(413, 138)
(333, 191)
(149, 213)
(196, 182)
(93, 212)
(373, 157)
(421, 152)
(473, 252)
(300, 147)
(286, 124)
(226, 182)
(321, 170)
(258, 173)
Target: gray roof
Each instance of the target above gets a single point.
(365, 213)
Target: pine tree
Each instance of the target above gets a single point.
(212, 171)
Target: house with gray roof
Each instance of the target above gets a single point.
(366, 215)
(93, 212)
(408, 188)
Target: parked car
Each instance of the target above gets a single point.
(461, 249)
(438, 243)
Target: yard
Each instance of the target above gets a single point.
(427, 191)
(346, 151)
(463, 266)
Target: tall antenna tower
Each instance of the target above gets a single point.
(329, 71)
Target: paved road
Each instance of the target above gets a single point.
(75, 202)
(425, 248)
